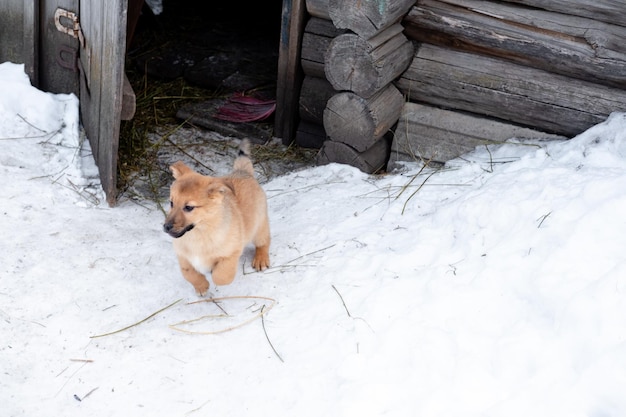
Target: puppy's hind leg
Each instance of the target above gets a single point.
(194, 277)
(261, 242)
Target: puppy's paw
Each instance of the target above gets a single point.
(261, 260)
(202, 289)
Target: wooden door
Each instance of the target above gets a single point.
(19, 35)
(57, 49)
(75, 46)
(101, 67)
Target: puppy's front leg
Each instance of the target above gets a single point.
(225, 269)
(196, 279)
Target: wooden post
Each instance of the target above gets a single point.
(318, 8)
(289, 73)
(361, 65)
(315, 94)
(367, 66)
(370, 161)
(367, 18)
(31, 41)
(359, 122)
(318, 34)
(316, 90)
(310, 135)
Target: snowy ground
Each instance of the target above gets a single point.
(493, 287)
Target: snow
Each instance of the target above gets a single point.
(492, 287)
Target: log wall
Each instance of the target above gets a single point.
(557, 67)
(540, 68)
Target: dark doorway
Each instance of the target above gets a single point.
(216, 45)
(188, 61)
(224, 48)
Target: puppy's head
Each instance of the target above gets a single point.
(195, 200)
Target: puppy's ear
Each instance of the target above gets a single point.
(220, 188)
(179, 168)
(228, 186)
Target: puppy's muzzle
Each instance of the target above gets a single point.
(169, 229)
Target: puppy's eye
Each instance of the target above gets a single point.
(188, 209)
(171, 204)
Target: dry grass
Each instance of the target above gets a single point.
(157, 104)
(155, 137)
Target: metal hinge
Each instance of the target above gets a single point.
(67, 22)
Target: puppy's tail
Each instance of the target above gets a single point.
(244, 148)
(243, 162)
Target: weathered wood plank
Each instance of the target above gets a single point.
(57, 51)
(367, 66)
(370, 161)
(102, 77)
(318, 8)
(429, 134)
(360, 122)
(609, 11)
(12, 31)
(289, 76)
(310, 135)
(314, 95)
(317, 37)
(31, 41)
(573, 46)
(367, 18)
(504, 90)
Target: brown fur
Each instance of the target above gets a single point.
(213, 219)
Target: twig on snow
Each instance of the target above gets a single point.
(342, 300)
(542, 219)
(138, 323)
(198, 408)
(288, 263)
(77, 398)
(262, 312)
(348, 311)
(417, 190)
(70, 377)
(296, 190)
(490, 170)
(406, 186)
(267, 337)
(30, 124)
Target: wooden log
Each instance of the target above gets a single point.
(367, 18)
(367, 66)
(310, 135)
(318, 8)
(372, 160)
(609, 11)
(429, 134)
(507, 91)
(360, 122)
(316, 39)
(314, 95)
(573, 46)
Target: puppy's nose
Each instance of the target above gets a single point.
(167, 227)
